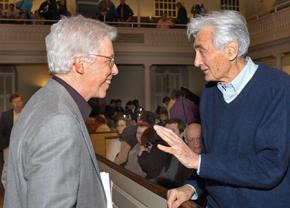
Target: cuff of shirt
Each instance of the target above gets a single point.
(194, 195)
(199, 161)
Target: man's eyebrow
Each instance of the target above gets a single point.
(199, 46)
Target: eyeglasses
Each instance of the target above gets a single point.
(111, 59)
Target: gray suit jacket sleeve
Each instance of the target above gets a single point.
(53, 164)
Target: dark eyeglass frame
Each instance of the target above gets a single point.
(110, 58)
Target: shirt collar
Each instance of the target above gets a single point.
(231, 90)
(82, 104)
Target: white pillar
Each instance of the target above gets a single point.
(138, 12)
(147, 87)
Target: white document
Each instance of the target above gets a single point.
(107, 186)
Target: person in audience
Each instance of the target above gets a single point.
(192, 11)
(245, 125)
(25, 9)
(110, 110)
(106, 11)
(121, 124)
(62, 8)
(150, 158)
(128, 141)
(163, 115)
(91, 125)
(8, 118)
(49, 10)
(164, 22)
(183, 108)
(51, 160)
(131, 111)
(124, 12)
(12, 12)
(181, 14)
(120, 110)
(102, 125)
(128, 136)
(192, 137)
(132, 163)
(176, 173)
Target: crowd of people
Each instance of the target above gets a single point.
(105, 11)
(139, 140)
(48, 10)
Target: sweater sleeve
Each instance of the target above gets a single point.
(266, 166)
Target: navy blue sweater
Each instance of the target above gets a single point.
(247, 144)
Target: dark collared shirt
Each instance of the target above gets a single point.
(82, 104)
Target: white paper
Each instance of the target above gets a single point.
(107, 186)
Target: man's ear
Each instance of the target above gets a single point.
(231, 50)
(79, 65)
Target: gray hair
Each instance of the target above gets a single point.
(74, 37)
(228, 26)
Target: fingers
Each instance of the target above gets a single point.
(164, 148)
(177, 203)
(175, 198)
(167, 135)
(171, 197)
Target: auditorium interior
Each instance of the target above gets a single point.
(151, 62)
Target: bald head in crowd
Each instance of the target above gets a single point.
(192, 137)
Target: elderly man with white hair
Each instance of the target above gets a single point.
(245, 117)
(51, 160)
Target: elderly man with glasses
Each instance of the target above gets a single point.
(51, 159)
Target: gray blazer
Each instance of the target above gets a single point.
(51, 161)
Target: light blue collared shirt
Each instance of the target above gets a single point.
(231, 90)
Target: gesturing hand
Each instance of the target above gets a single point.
(177, 147)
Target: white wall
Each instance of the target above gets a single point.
(196, 80)
(128, 84)
(30, 78)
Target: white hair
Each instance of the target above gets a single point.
(228, 26)
(74, 37)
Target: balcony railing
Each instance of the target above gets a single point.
(270, 25)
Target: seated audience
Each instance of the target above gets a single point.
(128, 137)
(131, 110)
(164, 22)
(102, 124)
(121, 124)
(183, 108)
(12, 12)
(132, 164)
(192, 138)
(91, 125)
(163, 115)
(119, 108)
(176, 174)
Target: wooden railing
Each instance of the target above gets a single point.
(111, 167)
